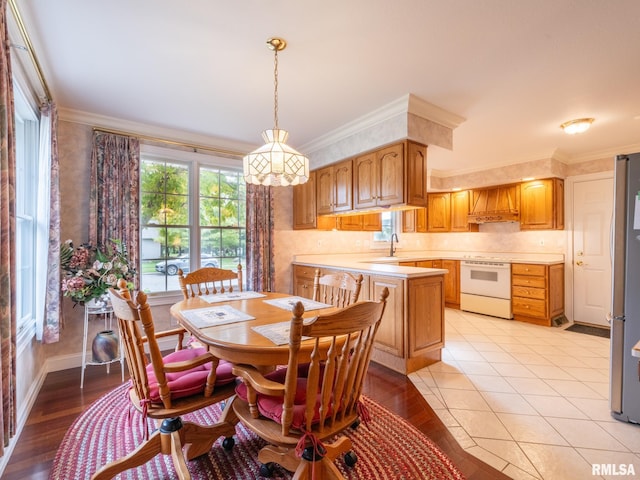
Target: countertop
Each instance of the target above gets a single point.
(387, 265)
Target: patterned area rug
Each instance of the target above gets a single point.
(388, 448)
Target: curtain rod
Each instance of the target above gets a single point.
(149, 138)
(32, 55)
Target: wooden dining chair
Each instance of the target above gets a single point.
(210, 280)
(337, 289)
(163, 388)
(298, 408)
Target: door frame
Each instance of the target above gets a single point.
(569, 228)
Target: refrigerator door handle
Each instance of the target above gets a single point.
(617, 362)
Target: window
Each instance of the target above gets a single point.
(27, 137)
(389, 225)
(192, 214)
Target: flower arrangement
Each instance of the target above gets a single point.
(88, 272)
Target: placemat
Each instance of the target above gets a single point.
(228, 296)
(278, 333)
(214, 316)
(287, 303)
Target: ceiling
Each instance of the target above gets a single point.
(514, 69)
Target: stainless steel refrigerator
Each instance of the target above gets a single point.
(625, 315)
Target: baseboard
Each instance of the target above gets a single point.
(23, 416)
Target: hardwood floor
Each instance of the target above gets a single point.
(60, 401)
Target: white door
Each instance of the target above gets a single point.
(592, 210)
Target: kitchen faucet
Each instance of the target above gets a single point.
(393, 250)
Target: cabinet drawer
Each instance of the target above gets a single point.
(301, 271)
(528, 292)
(528, 269)
(524, 281)
(529, 307)
(407, 264)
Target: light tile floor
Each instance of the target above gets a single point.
(530, 401)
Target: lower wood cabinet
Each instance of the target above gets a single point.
(452, 283)
(411, 333)
(537, 292)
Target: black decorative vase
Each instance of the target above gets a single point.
(105, 346)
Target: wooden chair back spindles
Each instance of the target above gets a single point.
(210, 281)
(151, 392)
(342, 344)
(337, 289)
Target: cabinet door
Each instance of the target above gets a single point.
(372, 222)
(421, 220)
(439, 213)
(364, 181)
(303, 281)
(452, 283)
(390, 336)
(304, 204)
(342, 177)
(324, 190)
(425, 315)
(409, 221)
(542, 204)
(460, 212)
(390, 175)
(416, 174)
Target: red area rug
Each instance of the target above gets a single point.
(388, 448)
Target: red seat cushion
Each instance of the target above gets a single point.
(189, 382)
(271, 406)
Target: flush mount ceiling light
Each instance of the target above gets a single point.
(275, 163)
(577, 126)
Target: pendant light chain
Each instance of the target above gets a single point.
(275, 91)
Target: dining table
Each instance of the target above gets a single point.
(246, 327)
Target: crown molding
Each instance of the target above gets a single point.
(404, 105)
(157, 133)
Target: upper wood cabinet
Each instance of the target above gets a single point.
(439, 212)
(370, 222)
(448, 212)
(414, 221)
(495, 204)
(304, 204)
(394, 175)
(542, 204)
(460, 204)
(334, 192)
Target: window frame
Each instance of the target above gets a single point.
(27, 130)
(194, 161)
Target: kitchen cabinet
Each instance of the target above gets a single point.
(334, 193)
(439, 212)
(495, 204)
(370, 222)
(451, 283)
(537, 293)
(393, 175)
(304, 208)
(414, 221)
(448, 212)
(460, 204)
(303, 281)
(542, 204)
(411, 333)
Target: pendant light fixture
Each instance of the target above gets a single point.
(275, 163)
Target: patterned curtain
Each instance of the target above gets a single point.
(260, 266)
(49, 311)
(114, 205)
(7, 240)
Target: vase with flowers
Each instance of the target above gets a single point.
(88, 271)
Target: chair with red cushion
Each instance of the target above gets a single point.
(298, 408)
(163, 388)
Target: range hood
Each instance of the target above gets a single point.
(495, 204)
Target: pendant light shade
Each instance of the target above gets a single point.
(275, 163)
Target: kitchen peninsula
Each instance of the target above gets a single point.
(411, 334)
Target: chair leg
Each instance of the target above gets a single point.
(199, 438)
(139, 456)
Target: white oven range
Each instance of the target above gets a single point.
(485, 286)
